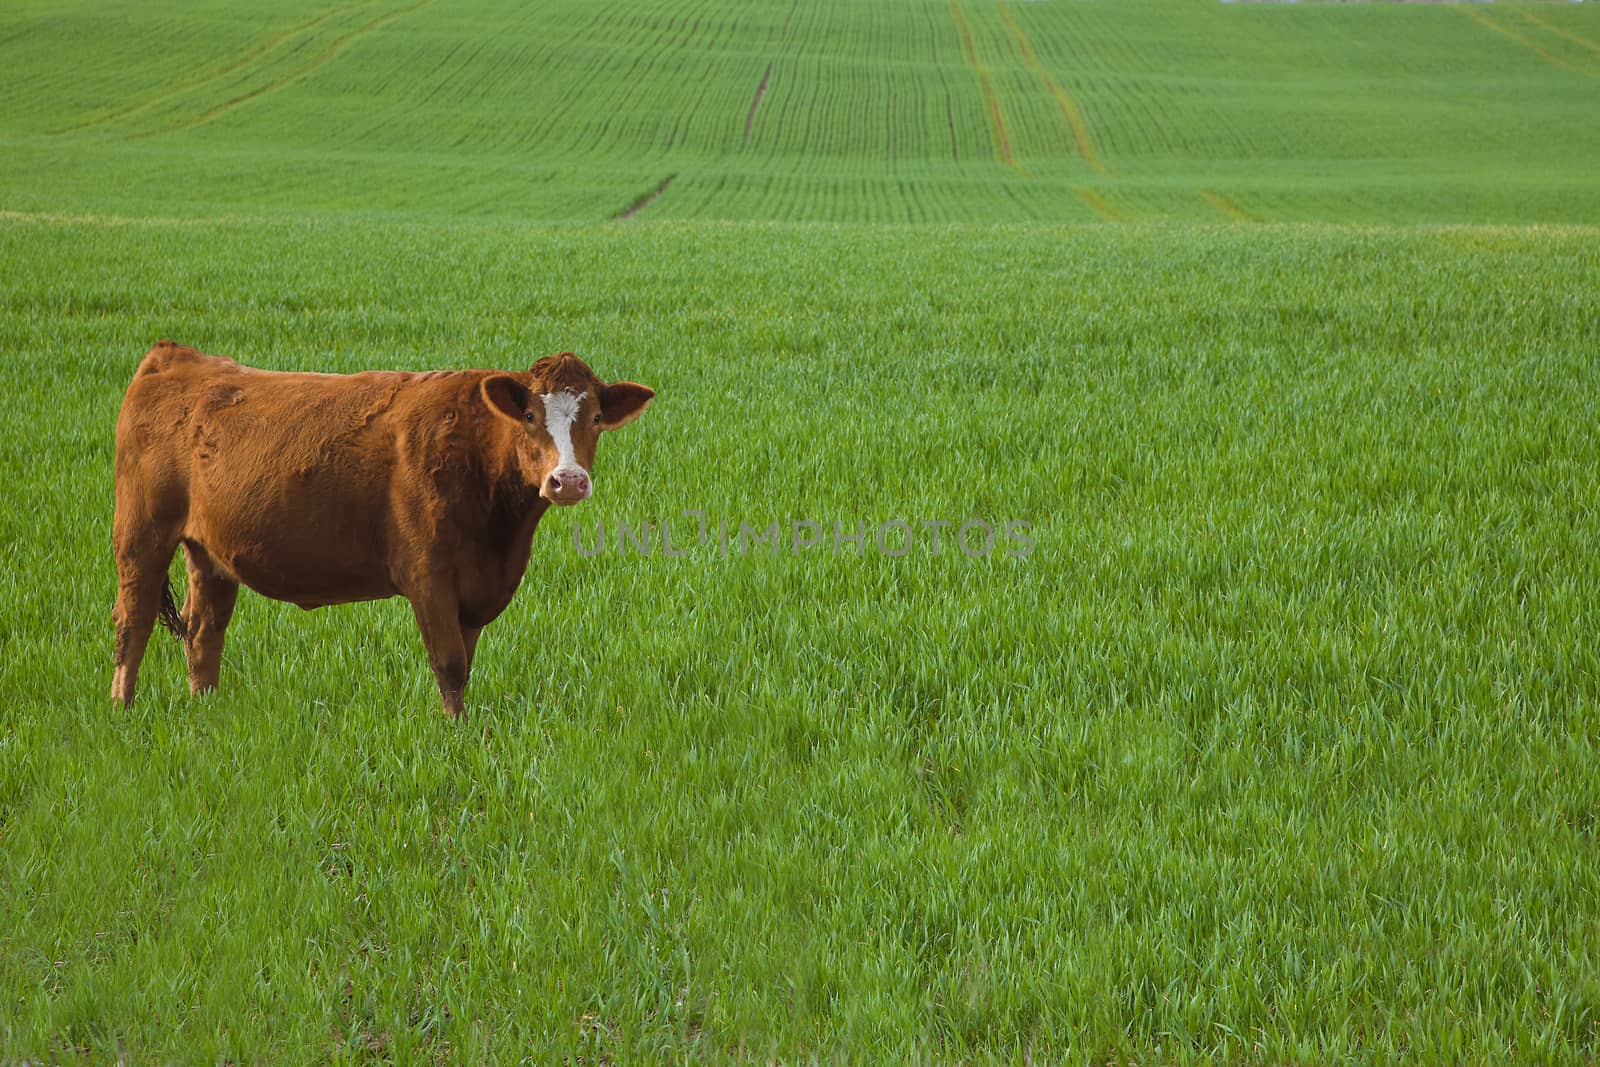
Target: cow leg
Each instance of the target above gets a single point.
(469, 640)
(447, 650)
(206, 612)
(141, 583)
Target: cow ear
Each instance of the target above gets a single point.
(621, 403)
(506, 397)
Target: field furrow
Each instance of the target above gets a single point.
(638, 116)
(755, 103)
(781, 56)
(554, 112)
(1226, 206)
(644, 200)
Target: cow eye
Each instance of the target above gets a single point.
(527, 416)
(597, 418)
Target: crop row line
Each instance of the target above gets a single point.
(944, 86)
(556, 117)
(704, 33)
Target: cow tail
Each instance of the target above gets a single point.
(169, 613)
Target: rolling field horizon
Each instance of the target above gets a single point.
(1273, 326)
(911, 111)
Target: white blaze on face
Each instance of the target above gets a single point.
(560, 412)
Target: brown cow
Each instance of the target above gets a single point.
(329, 488)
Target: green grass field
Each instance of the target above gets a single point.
(1278, 324)
(897, 111)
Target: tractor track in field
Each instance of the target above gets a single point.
(646, 199)
(250, 58)
(1069, 109)
(1098, 204)
(320, 60)
(1532, 45)
(1581, 42)
(1226, 206)
(991, 97)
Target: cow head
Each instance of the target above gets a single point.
(562, 408)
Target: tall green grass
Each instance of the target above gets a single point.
(1281, 746)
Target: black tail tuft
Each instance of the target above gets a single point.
(169, 613)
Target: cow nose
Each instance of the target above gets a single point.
(567, 486)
